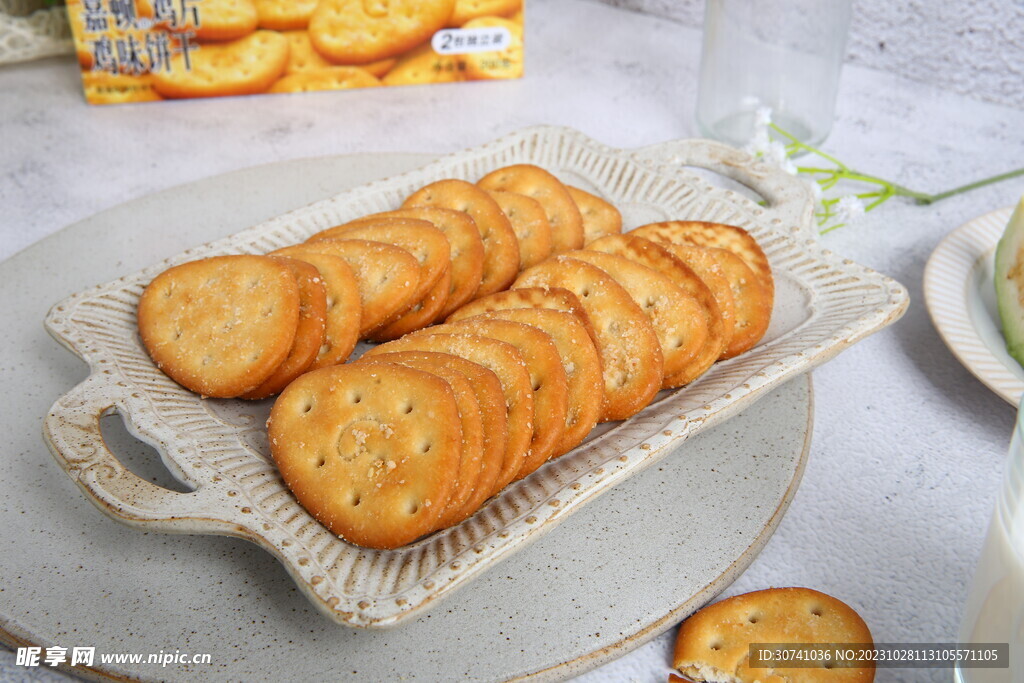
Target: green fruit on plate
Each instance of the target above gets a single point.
(1010, 283)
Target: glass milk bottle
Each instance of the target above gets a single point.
(995, 603)
(782, 54)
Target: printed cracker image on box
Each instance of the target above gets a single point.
(146, 50)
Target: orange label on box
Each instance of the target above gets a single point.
(144, 50)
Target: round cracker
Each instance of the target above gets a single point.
(533, 181)
(245, 66)
(580, 361)
(678, 319)
(504, 361)
(472, 429)
(547, 377)
(752, 304)
(387, 277)
(220, 326)
(631, 360)
(467, 249)
(487, 389)
(600, 218)
(370, 450)
(360, 31)
(285, 15)
(656, 257)
(501, 249)
(553, 298)
(729, 237)
(419, 238)
(530, 224)
(714, 643)
(309, 333)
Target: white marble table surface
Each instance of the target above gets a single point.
(907, 445)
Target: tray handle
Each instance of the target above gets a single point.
(72, 432)
(788, 197)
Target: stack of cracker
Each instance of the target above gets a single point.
(553, 321)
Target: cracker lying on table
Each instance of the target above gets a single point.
(501, 249)
(533, 181)
(714, 643)
(309, 333)
(504, 361)
(370, 450)
(530, 224)
(599, 217)
(631, 360)
(220, 326)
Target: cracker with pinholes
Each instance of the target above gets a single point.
(660, 259)
(631, 360)
(501, 249)
(677, 318)
(467, 249)
(361, 31)
(309, 333)
(582, 365)
(284, 15)
(504, 361)
(387, 277)
(547, 377)
(344, 312)
(472, 9)
(533, 181)
(729, 237)
(472, 430)
(554, 298)
(530, 224)
(487, 389)
(329, 78)
(600, 218)
(422, 313)
(371, 451)
(218, 20)
(303, 57)
(245, 66)
(496, 64)
(220, 326)
(714, 644)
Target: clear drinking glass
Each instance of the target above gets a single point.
(782, 54)
(995, 603)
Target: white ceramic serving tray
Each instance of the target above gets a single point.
(218, 447)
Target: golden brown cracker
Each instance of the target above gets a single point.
(344, 312)
(548, 378)
(284, 15)
(220, 326)
(580, 361)
(467, 250)
(423, 66)
(472, 9)
(496, 64)
(659, 258)
(533, 181)
(420, 238)
(472, 430)
(631, 360)
(530, 224)
(714, 644)
(501, 249)
(330, 78)
(600, 218)
(489, 396)
(678, 319)
(554, 298)
(504, 361)
(302, 56)
(309, 333)
(370, 450)
(362, 31)
(729, 237)
(387, 277)
(420, 315)
(218, 19)
(241, 67)
(752, 306)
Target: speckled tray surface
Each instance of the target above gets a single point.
(823, 304)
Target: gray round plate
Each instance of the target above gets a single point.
(614, 575)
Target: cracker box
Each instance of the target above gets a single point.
(143, 50)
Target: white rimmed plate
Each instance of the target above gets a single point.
(960, 296)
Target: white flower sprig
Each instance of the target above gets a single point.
(834, 210)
